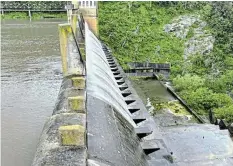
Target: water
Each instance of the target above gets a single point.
(31, 78)
(151, 88)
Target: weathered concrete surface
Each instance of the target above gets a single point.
(73, 135)
(66, 90)
(50, 152)
(200, 144)
(111, 138)
(63, 139)
(72, 62)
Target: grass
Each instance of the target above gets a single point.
(35, 15)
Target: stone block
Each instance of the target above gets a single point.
(77, 104)
(72, 135)
(78, 82)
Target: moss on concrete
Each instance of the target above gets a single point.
(78, 82)
(174, 106)
(77, 103)
(72, 135)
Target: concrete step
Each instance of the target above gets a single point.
(143, 131)
(138, 120)
(149, 146)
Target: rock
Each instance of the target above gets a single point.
(222, 125)
(200, 43)
(181, 25)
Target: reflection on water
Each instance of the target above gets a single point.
(31, 77)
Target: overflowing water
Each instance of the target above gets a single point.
(31, 77)
(100, 79)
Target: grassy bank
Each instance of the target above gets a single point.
(35, 15)
(135, 32)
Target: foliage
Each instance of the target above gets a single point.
(225, 112)
(15, 15)
(134, 31)
(223, 83)
(173, 106)
(33, 5)
(204, 99)
(188, 82)
(35, 15)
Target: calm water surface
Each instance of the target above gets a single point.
(31, 78)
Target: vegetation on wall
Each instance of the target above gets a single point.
(135, 32)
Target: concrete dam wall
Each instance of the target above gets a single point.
(97, 114)
(99, 119)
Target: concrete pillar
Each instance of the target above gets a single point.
(74, 24)
(90, 15)
(64, 32)
(29, 14)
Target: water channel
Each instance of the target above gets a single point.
(31, 78)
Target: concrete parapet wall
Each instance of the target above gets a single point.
(50, 151)
(72, 62)
(63, 139)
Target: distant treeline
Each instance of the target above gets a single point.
(34, 5)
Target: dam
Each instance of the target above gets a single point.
(99, 118)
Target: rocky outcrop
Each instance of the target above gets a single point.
(192, 29)
(180, 26)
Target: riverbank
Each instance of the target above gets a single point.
(35, 15)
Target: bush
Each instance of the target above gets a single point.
(225, 112)
(188, 82)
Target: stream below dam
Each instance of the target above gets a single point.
(31, 78)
